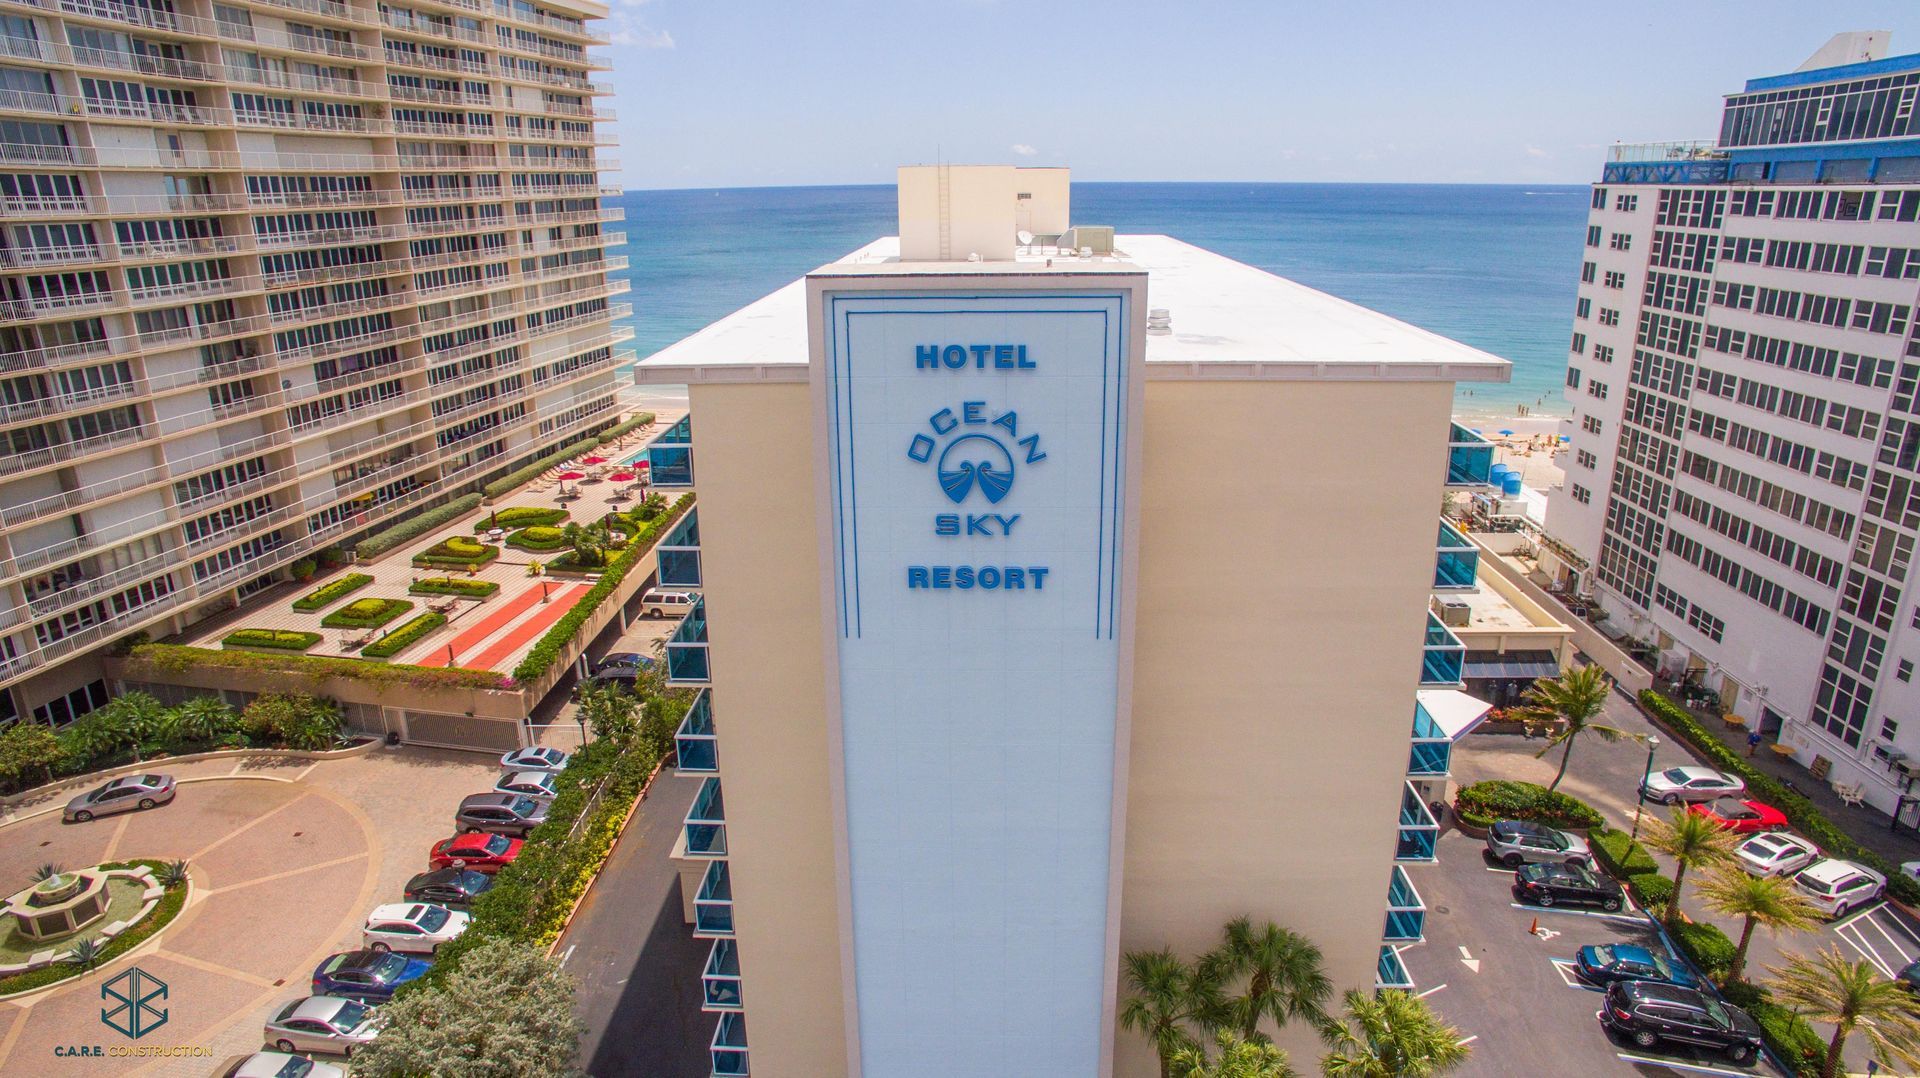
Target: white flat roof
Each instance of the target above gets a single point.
(1229, 320)
(1453, 711)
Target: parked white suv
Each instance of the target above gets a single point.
(1518, 842)
(1837, 887)
(667, 602)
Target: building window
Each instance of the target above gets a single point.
(1593, 235)
(1587, 270)
(1597, 388)
(1591, 424)
(1573, 378)
(1582, 494)
(1586, 459)
(1599, 198)
(1627, 203)
(1582, 307)
(1615, 279)
(1609, 316)
(1905, 670)
(1603, 353)
(1620, 241)
(65, 709)
(1579, 343)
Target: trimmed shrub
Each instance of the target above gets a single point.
(282, 639)
(175, 658)
(415, 526)
(1800, 812)
(1788, 1036)
(333, 557)
(538, 538)
(565, 564)
(520, 477)
(521, 516)
(1505, 799)
(453, 585)
(1618, 855)
(631, 423)
(296, 720)
(368, 613)
(303, 569)
(1650, 889)
(456, 552)
(326, 594)
(1703, 943)
(400, 639)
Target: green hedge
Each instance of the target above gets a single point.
(453, 585)
(1618, 855)
(368, 613)
(1704, 945)
(518, 478)
(547, 651)
(565, 564)
(399, 639)
(538, 538)
(635, 422)
(415, 526)
(456, 552)
(1800, 812)
(1650, 889)
(320, 597)
(1789, 1037)
(1505, 799)
(284, 639)
(176, 659)
(520, 516)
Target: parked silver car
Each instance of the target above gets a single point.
(331, 1024)
(1519, 842)
(123, 794)
(501, 814)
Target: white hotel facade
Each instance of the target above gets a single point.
(1743, 484)
(272, 274)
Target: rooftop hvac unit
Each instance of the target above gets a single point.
(1454, 613)
(1096, 238)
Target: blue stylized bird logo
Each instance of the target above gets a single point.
(975, 460)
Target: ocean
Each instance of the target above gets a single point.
(1494, 266)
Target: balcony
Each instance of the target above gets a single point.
(687, 650)
(1456, 562)
(1418, 831)
(696, 747)
(730, 1047)
(1469, 458)
(1391, 973)
(679, 554)
(1440, 718)
(1443, 657)
(706, 822)
(720, 983)
(670, 456)
(713, 904)
(1406, 913)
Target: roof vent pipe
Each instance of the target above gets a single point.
(1159, 321)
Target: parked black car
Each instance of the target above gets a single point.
(1552, 885)
(1647, 1013)
(456, 887)
(1601, 964)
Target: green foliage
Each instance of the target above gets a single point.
(171, 874)
(415, 526)
(1392, 1034)
(28, 751)
(506, 1011)
(520, 477)
(569, 563)
(650, 506)
(1704, 945)
(520, 516)
(174, 658)
(1806, 819)
(45, 872)
(1789, 1037)
(282, 639)
(295, 720)
(368, 613)
(538, 538)
(400, 639)
(201, 719)
(1240, 1057)
(85, 954)
(1505, 799)
(333, 557)
(163, 913)
(633, 422)
(303, 569)
(1650, 889)
(609, 711)
(547, 651)
(453, 585)
(456, 552)
(324, 595)
(1619, 855)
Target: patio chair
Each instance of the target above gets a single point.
(1850, 795)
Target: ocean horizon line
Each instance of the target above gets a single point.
(1556, 186)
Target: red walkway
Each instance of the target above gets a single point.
(484, 628)
(520, 635)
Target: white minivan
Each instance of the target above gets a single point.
(667, 602)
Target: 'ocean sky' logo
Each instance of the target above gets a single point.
(977, 459)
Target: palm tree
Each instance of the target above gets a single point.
(203, 718)
(1239, 1058)
(1284, 978)
(1760, 900)
(131, 719)
(1572, 699)
(1389, 1035)
(1690, 839)
(1850, 996)
(1161, 1000)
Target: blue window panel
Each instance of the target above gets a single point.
(687, 665)
(1456, 560)
(696, 749)
(713, 903)
(729, 1047)
(679, 568)
(670, 466)
(1444, 658)
(1418, 831)
(1406, 912)
(1391, 973)
(685, 532)
(720, 982)
(706, 822)
(1469, 458)
(1430, 758)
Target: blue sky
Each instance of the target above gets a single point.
(726, 93)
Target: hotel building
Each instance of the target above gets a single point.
(1065, 594)
(1743, 491)
(274, 273)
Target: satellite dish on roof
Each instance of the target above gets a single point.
(1025, 238)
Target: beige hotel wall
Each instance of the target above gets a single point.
(1286, 550)
(754, 473)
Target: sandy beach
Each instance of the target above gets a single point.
(1533, 447)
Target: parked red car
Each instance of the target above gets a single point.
(1741, 817)
(480, 852)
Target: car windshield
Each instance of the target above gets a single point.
(525, 806)
(1716, 1012)
(474, 882)
(1661, 965)
(294, 1068)
(388, 967)
(1603, 954)
(432, 918)
(1553, 840)
(1675, 775)
(351, 1015)
(496, 844)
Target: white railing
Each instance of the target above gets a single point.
(1697, 150)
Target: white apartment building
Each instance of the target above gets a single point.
(274, 273)
(1743, 486)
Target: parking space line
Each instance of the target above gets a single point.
(1470, 1038)
(290, 872)
(1859, 943)
(1564, 968)
(1625, 914)
(1880, 926)
(1695, 1068)
(1430, 991)
(1838, 925)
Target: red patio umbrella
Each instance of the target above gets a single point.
(569, 476)
(621, 477)
(593, 460)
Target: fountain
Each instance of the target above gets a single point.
(60, 905)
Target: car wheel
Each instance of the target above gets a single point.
(1645, 1039)
(435, 949)
(382, 947)
(146, 802)
(1840, 911)
(346, 1052)
(1670, 799)
(1513, 860)
(473, 830)
(1545, 899)
(82, 816)
(284, 1045)
(1740, 1053)
(1611, 905)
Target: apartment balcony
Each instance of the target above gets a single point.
(1469, 458)
(679, 554)
(1406, 913)
(1444, 657)
(696, 746)
(446, 31)
(33, 460)
(307, 123)
(1456, 562)
(66, 254)
(312, 84)
(670, 455)
(713, 904)
(353, 271)
(1391, 972)
(506, 13)
(720, 982)
(729, 1047)
(29, 101)
(29, 411)
(326, 9)
(1432, 753)
(687, 650)
(442, 97)
(706, 822)
(303, 43)
(1418, 831)
(402, 58)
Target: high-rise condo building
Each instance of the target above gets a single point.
(1743, 488)
(1063, 594)
(272, 273)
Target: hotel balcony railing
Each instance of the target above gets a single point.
(1687, 150)
(679, 555)
(28, 101)
(687, 650)
(129, 206)
(288, 80)
(1469, 458)
(1418, 831)
(1456, 562)
(1432, 752)
(401, 58)
(713, 904)
(696, 746)
(28, 411)
(1406, 913)
(720, 982)
(546, 22)
(706, 822)
(408, 24)
(1391, 972)
(329, 9)
(274, 39)
(1443, 657)
(670, 455)
(729, 1047)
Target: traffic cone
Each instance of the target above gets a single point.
(1534, 928)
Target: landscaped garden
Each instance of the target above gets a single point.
(278, 639)
(133, 913)
(455, 586)
(327, 594)
(456, 552)
(520, 516)
(405, 636)
(368, 613)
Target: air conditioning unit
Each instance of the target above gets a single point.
(1453, 613)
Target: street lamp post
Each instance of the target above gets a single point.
(1641, 806)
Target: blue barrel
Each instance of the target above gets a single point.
(1510, 484)
(1497, 475)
